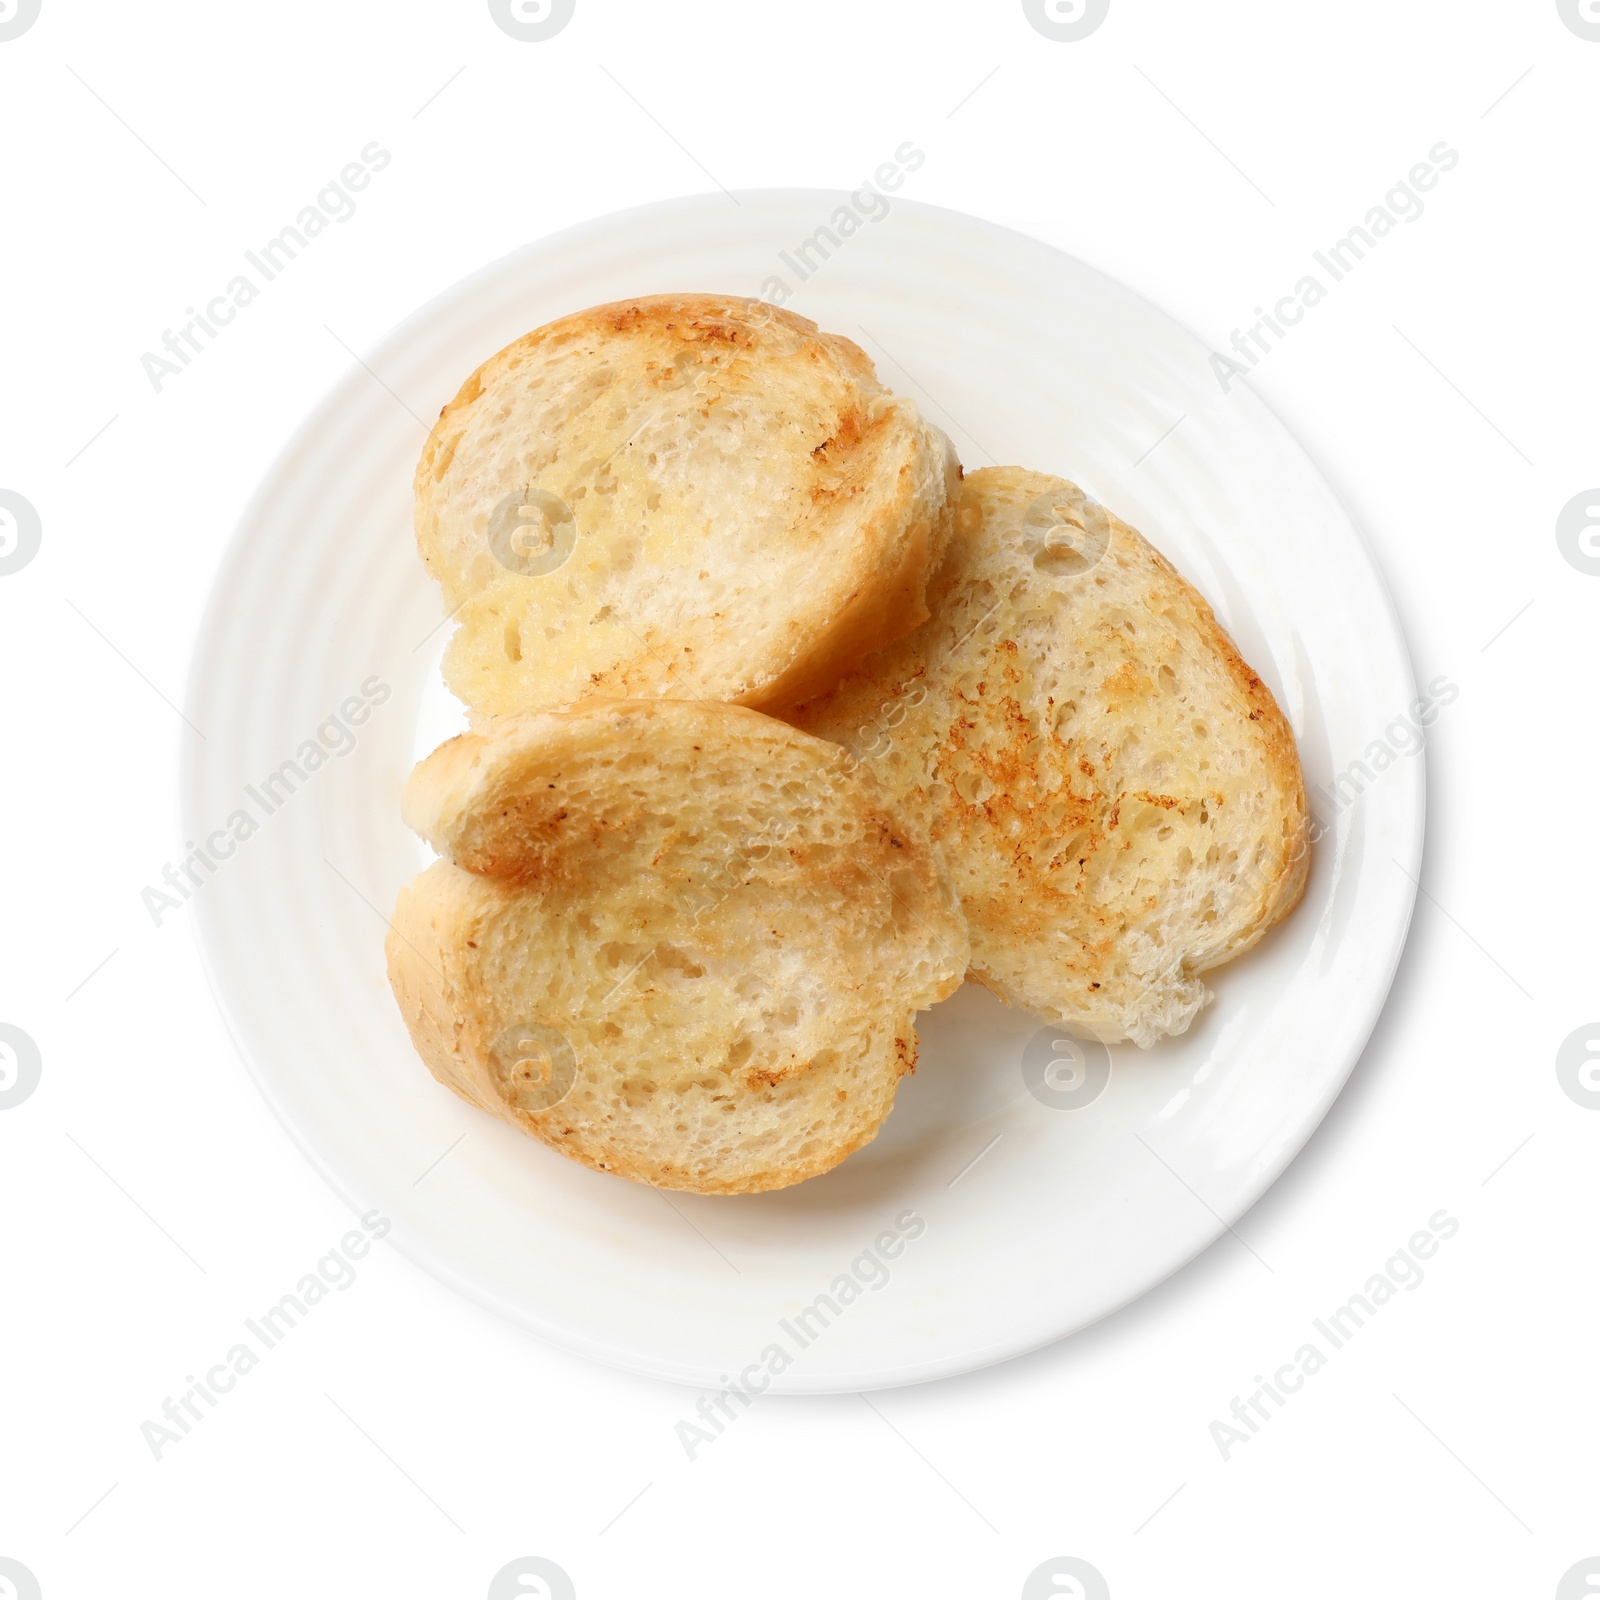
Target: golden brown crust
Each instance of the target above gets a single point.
(755, 513)
(1116, 791)
(717, 913)
(1281, 890)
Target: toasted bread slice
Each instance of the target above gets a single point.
(689, 496)
(1118, 796)
(683, 942)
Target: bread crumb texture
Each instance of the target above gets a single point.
(687, 496)
(1116, 792)
(720, 917)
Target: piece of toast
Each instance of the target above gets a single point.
(683, 942)
(688, 496)
(1117, 795)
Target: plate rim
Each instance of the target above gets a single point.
(1410, 809)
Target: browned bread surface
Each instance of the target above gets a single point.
(682, 942)
(686, 496)
(1116, 792)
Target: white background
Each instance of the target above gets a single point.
(403, 1442)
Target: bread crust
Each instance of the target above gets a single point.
(752, 512)
(718, 915)
(1116, 790)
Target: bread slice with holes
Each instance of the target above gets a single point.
(689, 496)
(1117, 793)
(682, 942)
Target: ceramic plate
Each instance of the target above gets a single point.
(984, 1221)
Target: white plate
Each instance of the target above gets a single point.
(1023, 355)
